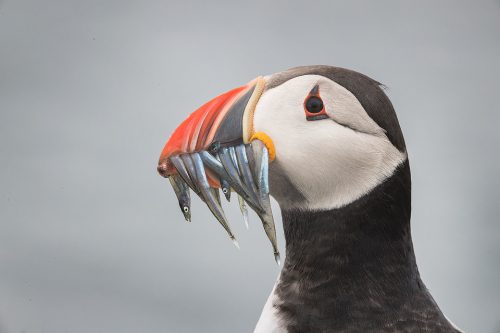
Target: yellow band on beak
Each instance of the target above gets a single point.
(268, 142)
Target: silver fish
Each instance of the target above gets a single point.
(234, 179)
(216, 194)
(209, 198)
(213, 164)
(232, 153)
(244, 210)
(188, 164)
(226, 189)
(251, 158)
(181, 168)
(245, 172)
(216, 166)
(261, 157)
(181, 190)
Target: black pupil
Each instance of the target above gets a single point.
(314, 104)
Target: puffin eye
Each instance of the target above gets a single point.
(314, 104)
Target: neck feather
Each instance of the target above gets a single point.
(357, 238)
(354, 267)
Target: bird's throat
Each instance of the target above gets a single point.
(344, 265)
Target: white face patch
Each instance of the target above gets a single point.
(332, 161)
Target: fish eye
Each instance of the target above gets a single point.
(186, 209)
(314, 104)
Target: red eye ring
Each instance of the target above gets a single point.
(314, 106)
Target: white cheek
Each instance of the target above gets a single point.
(331, 165)
(339, 165)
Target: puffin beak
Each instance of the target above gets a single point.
(216, 147)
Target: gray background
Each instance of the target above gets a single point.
(91, 239)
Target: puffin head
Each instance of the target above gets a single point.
(322, 136)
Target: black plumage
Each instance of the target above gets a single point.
(353, 269)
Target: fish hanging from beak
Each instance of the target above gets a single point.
(216, 148)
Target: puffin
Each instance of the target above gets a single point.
(326, 144)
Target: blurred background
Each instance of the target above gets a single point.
(91, 237)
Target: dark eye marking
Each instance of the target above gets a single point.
(314, 106)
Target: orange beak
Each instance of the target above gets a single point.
(212, 149)
(218, 123)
